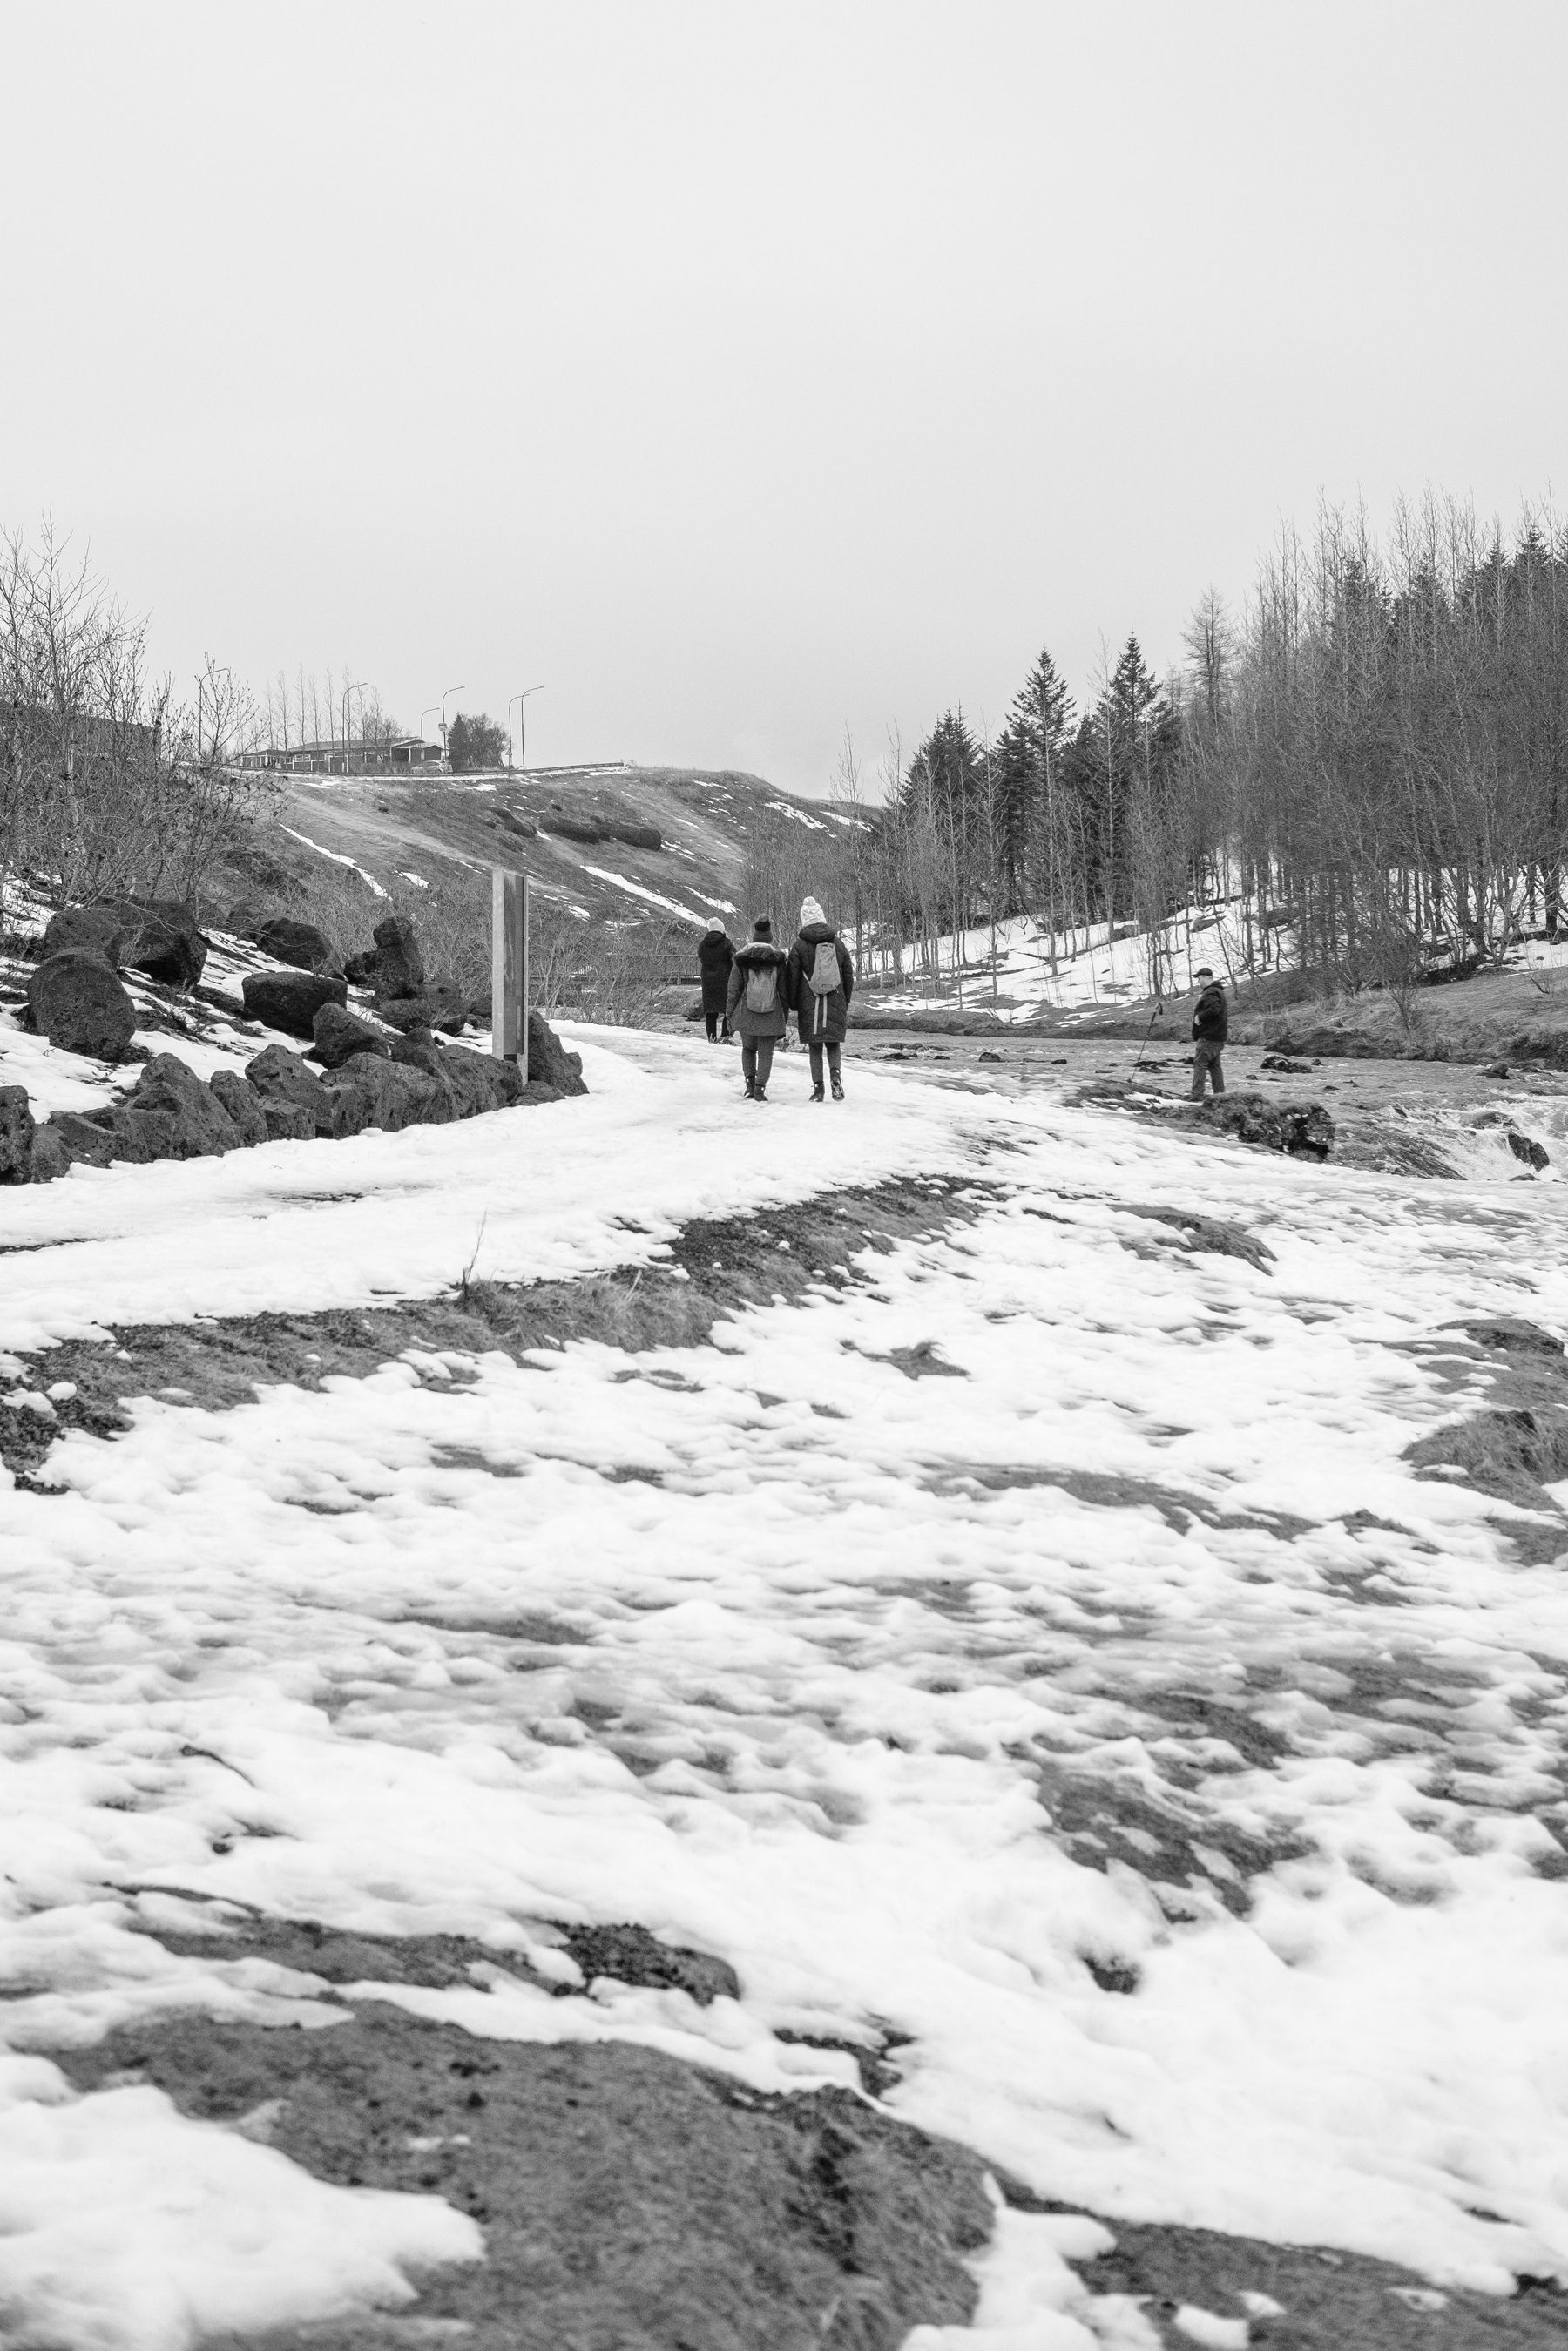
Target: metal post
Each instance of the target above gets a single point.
(509, 969)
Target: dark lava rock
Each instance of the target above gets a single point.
(388, 1094)
(17, 1128)
(167, 946)
(400, 966)
(635, 836)
(295, 1102)
(360, 969)
(242, 1103)
(179, 1117)
(585, 828)
(95, 1139)
(340, 1034)
(1525, 1147)
(1285, 1065)
(51, 1153)
(629, 1954)
(105, 931)
(629, 2202)
(300, 945)
(79, 1004)
(290, 1000)
(1304, 1130)
(550, 1063)
(521, 825)
(438, 1005)
(475, 1083)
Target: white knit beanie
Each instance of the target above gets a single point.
(715, 922)
(810, 913)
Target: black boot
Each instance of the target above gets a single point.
(760, 1094)
(816, 1095)
(837, 1089)
(751, 1089)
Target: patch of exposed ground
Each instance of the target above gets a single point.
(629, 2202)
(1516, 1443)
(1321, 2300)
(714, 1268)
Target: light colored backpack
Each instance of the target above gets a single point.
(824, 978)
(762, 987)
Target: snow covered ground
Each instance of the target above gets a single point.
(1076, 971)
(1113, 1711)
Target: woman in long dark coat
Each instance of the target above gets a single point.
(760, 1014)
(823, 1012)
(716, 952)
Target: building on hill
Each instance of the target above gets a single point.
(355, 755)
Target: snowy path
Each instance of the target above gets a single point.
(964, 1709)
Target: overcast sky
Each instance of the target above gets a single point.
(738, 372)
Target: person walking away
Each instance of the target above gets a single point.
(755, 1004)
(821, 980)
(716, 954)
(1210, 1029)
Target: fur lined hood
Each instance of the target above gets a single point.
(760, 951)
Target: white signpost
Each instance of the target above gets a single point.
(509, 969)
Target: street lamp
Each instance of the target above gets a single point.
(215, 670)
(425, 715)
(343, 714)
(451, 689)
(521, 701)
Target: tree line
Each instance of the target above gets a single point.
(1366, 763)
(109, 782)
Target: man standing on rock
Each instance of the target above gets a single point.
(716, 952)
(1210, 1029)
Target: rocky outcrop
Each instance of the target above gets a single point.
(51, 1155)
(151, 936)
(17, 1132)
(592, 830)
(400, 966)
(300, 945)
(170, 1113)
(290, 1000)
(438, 1005)
(174, 1114)
(474, 1082)
(294, 1100)
(167, 944)
(103, 931)
(550, 1063)
(388, 1094)
(243, 1103)
(339, 1035)
(1304, 1130)
(79, 1005)
(91, 1138)
(360, 969)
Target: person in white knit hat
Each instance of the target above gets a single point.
(820, 982)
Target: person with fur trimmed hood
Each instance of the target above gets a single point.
(821, 980)
(756, 1007)
(716, 952)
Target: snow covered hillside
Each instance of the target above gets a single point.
(1025, 1654)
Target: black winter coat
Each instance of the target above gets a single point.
(716, 952)
(824, 1019)
(756, 954)
(1212, 1016)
